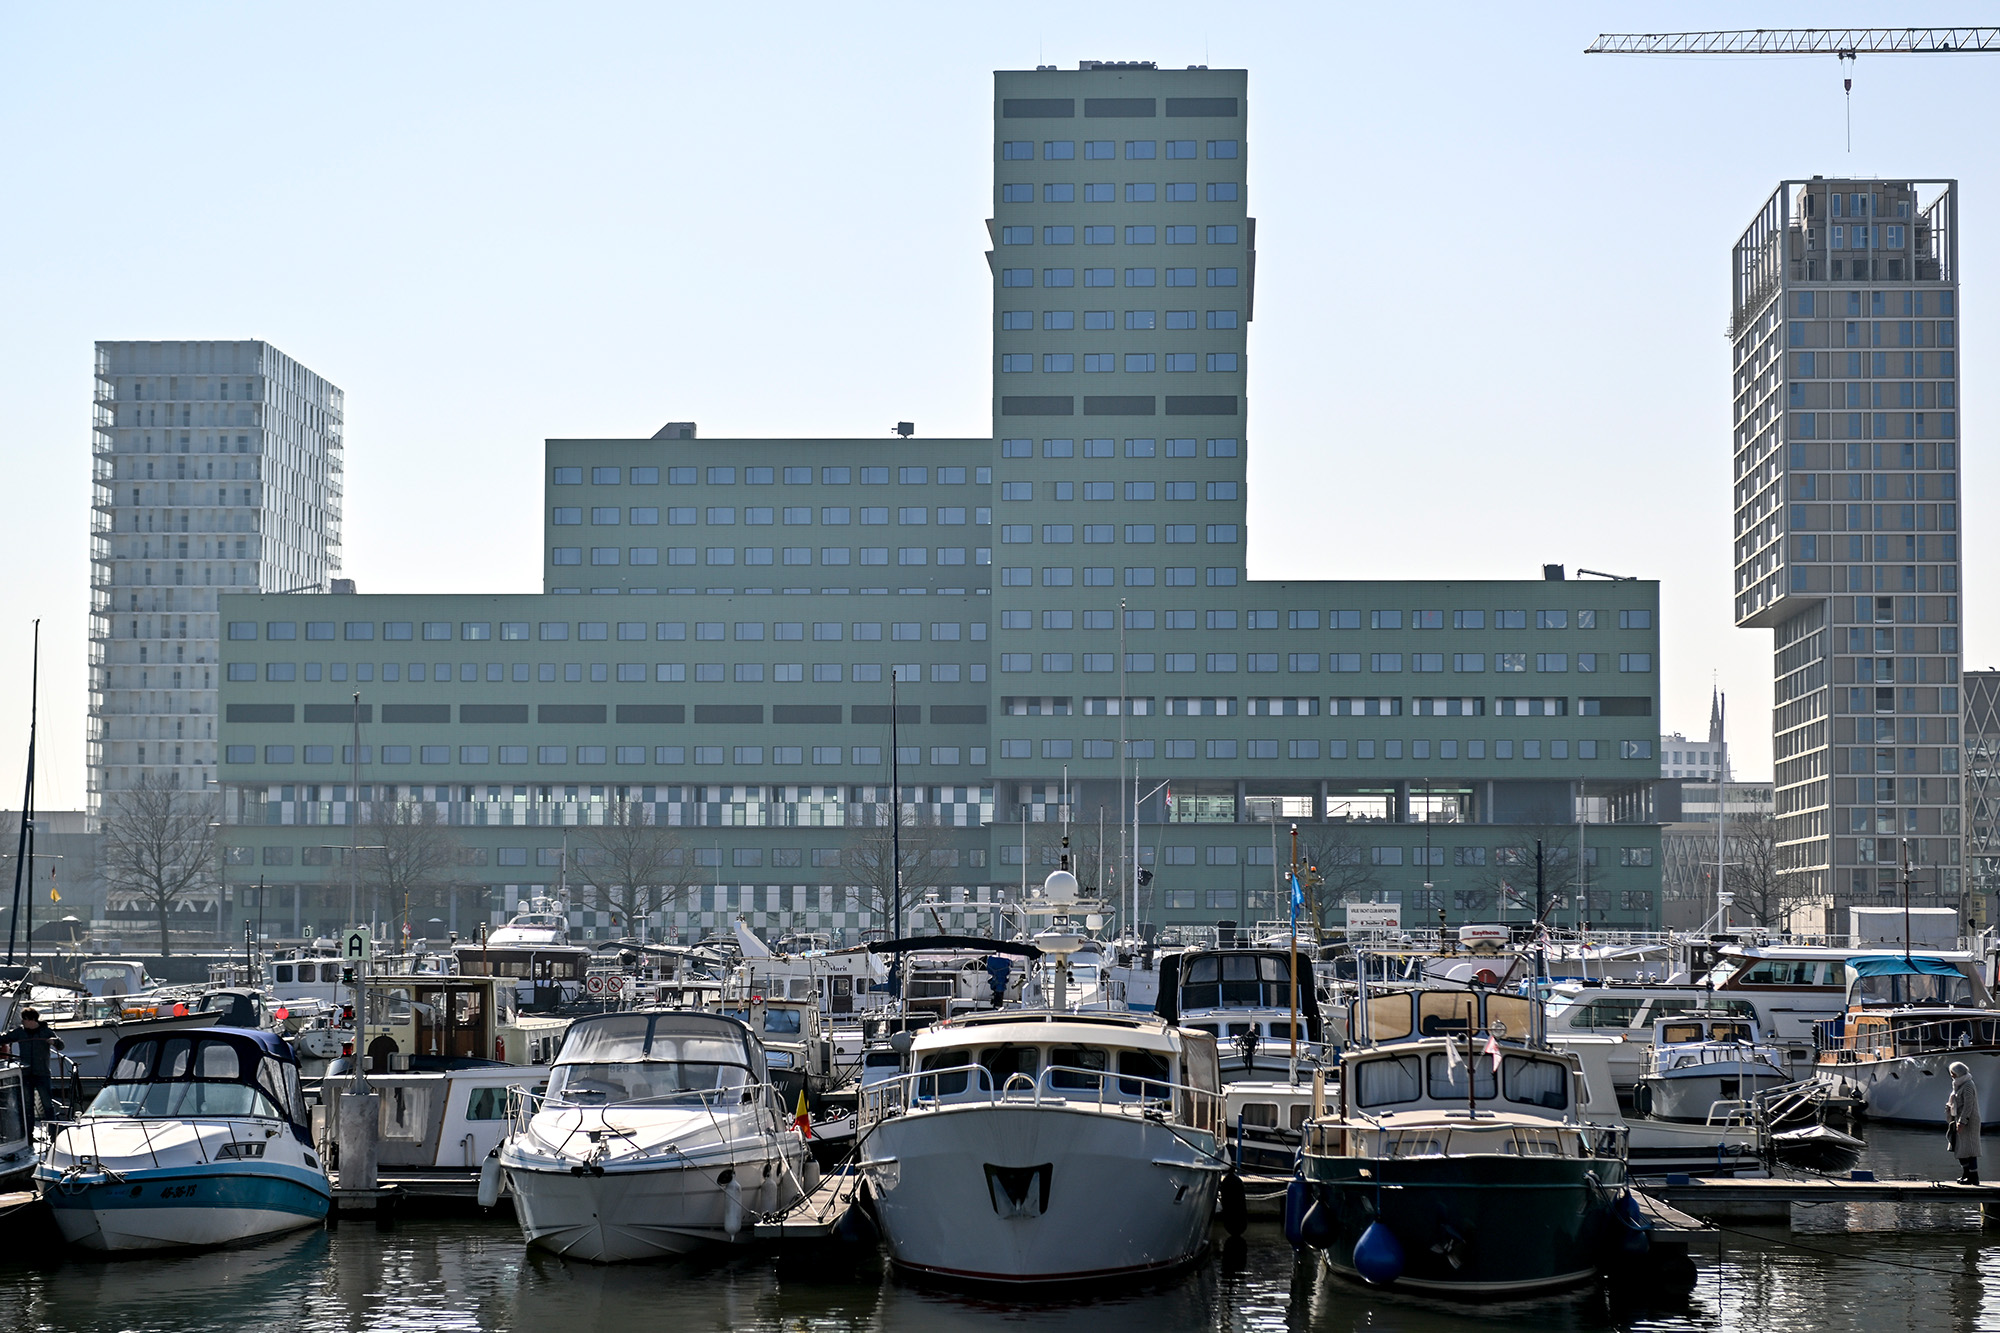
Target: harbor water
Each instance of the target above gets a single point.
(1869, 1269)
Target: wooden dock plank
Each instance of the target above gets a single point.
(1668, 1220)
(815, 1216)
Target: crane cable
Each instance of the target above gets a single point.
(1847, 88)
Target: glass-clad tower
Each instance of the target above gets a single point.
(1845, 350)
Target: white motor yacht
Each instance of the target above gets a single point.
(1910, 1016)
(199, 1138)
(1702, 1058)
(659, 1133)
(1046, 1147)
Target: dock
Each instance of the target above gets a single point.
(816, 1215)
(1773, 1199)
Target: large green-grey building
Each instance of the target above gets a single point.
(1063, 610)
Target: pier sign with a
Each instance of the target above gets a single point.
(357, 946)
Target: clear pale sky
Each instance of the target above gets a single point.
(1492, 271)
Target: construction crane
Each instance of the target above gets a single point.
(1845, 43)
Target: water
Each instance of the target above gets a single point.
(1867, 1270)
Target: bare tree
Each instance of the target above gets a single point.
(160, 849)
(1343, 867)
(1509, 876)
(409, 856)
(870, 857)
(1751, 871)
(633, 866)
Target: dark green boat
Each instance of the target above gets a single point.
(1457, 1161)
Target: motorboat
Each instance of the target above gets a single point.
(1266, 1123)
(1633, 1011)
(1244, 998)
(659, 1133)
(95, 1027)
(1730, 1141)
(534, 949)
(1456, 1161)
(1046, 1147)
(1701, 1058)
(199, 1138)
(1909, 1017)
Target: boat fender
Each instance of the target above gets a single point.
(1296, 1200)
(489, 1180)
(857, 1225)
(500, 1049)
(732, 1206)
(1378, 1255)
(1232, 1204)
(1635, 1240)
(1642, 1099)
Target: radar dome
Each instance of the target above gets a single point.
(1060, 887)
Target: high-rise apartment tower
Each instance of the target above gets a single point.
(1844, 330)
(217, 466)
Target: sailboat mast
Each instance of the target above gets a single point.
(25, 846)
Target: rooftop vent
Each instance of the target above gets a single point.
(675, 430)
(1553, 573)
(343, 587)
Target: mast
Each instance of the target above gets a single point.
(895, 837)
(1293, 895)
(24, 854)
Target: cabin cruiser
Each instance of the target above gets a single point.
(1701, 1058)
(659, 1133)
(1630, 1014)
(115, 976)
(1909, 1017)
(1266, 1123)
(534, 949)
(1241, 997)
(1046, 1147)
(1728, 1142)
(199, 1138)
(442, 1052)
(1456, 1161)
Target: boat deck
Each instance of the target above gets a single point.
(816, 1215)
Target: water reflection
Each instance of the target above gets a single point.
(1858, 1270)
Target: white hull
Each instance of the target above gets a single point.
(625, 1215)
(166, 1228)
(1911, 1090)
(1039, 1194)
(1691, 1097)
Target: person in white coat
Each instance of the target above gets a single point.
(1961, 1111)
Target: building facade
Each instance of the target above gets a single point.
(1062, 610)
(1844, 331)
(1982, 793)
(217, 466)
(1684, 758)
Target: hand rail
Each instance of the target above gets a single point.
(1054, 1085)
(1883, 1037)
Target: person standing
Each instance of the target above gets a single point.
(1962, 1123)
(35, 1038)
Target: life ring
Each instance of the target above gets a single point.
(500, 1049)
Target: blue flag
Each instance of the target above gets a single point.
(1298, 900)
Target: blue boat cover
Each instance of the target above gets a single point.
(1900, 965)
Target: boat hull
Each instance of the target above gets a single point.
(186, 1208)
(627, 1215)
(1911, 1090)
(1024, 1194)
(1475, 1227)
(1690, 1097)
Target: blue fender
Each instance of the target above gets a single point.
(1378, 1255)
(1297, 1199)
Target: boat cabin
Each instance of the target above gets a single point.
(439, 1022)
(213, 1072)
(1201, 986)
(1905, 1005)
(612, 1059)
(115, 976)
(1693, 1029)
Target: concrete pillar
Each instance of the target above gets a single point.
(1486, 801)
(360, 1119)
(1319, 803)
(1242, 801)
(1401, 814)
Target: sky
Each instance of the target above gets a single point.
(1492, 270)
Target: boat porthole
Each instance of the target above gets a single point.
(728, 1175)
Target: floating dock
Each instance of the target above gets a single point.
(1772, 1199)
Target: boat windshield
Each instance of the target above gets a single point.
(1906, 988)
(640, 1057)
(181, 1098)
(609, 1083)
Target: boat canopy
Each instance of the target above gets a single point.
(672, 1037)
(1903, 965)
(145, 1067)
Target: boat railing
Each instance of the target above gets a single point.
(1661, 1059)
(525, 1103)
(1507, 1139)
(1862, 1038)
(1066, 1086)
(146, 1126)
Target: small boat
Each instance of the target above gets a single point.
(1909, 1017)
(200, 1138)
(1702, 1058)
(1266, 1122)
(533, 948)
(1240, 997)
(1046, 1147)
(660, 1133)
(1457, 1162)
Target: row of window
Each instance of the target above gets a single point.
(1134, 363)
(1103, 150)
(1880, 305)
(1877, 365)
(624, 673)
(767, 476)
(869, 756)
(1870, 333)
(1108, 277)
(1137, 492)
(608, 516)
(1142, 234)
(1308, 663)
(1136, 534)
(1062, 321)
(1134, 448)
(1309, 706)
(768, 555)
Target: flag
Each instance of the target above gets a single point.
(1492, 1052)
(1453, 1061)
(803, 1117)
(1298, 901)
(54, 896)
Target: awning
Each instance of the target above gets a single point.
(1895, 965)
